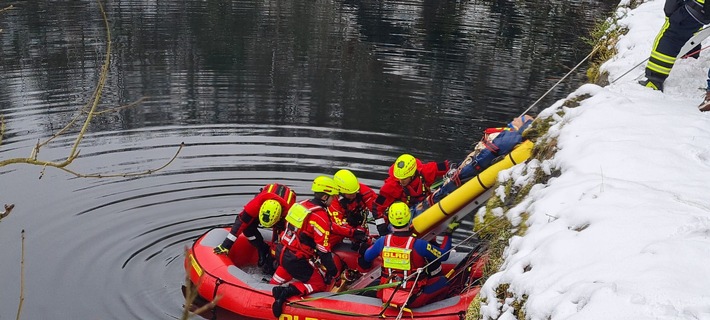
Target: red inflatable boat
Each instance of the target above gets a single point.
(245, 291)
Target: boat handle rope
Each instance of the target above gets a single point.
(218, 281)
(468, 263)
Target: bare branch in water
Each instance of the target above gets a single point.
(8, 208)
(22, 277)
(87, 112)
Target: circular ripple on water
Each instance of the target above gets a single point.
(113, 247)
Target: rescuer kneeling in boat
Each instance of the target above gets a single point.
(496, 142)
(410, 182)
(267, 208)
(403, 256)
(305, 247)
(348, 213)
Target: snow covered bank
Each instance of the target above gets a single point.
(623, 231)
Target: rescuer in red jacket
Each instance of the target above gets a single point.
(409, 181)
(403, 255)
(268, 206)
(305, 246)
(351, 208)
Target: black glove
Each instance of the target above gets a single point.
(330, 274)
(363, 247)
(331, 270)
(383, 229)
(359, 235)
(357, 218)
(363, 263)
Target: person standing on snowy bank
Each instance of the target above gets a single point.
(683, 19)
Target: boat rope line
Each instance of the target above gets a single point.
(409, 296)
(627, 72)
(644, 60)
(472, 258)
(562, 79)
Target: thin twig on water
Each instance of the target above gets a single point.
(22, 277)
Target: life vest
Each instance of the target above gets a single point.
(284, 192)
(487, 139)
(399, 261)
(298, 235)
(356, 205)
(414, 194)
(355, 210)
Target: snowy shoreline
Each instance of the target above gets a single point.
(623, 231)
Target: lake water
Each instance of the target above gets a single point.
(259, 91)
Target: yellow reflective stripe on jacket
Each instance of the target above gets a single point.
(282, 191)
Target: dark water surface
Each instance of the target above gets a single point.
(259, 91)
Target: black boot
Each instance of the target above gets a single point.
(653, 81)
(264, 253)
(269, 266)
(280, 294)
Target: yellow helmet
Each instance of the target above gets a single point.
(326, 185)
(399, 214)
(347, 182)
(405, 166)
(270, 213)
